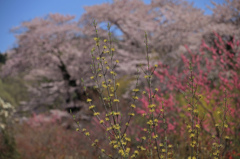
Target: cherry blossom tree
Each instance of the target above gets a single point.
(168, 23)
(53, 54)
(48, 55)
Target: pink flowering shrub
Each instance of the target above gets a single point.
(215, 69)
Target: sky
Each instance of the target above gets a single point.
(13, 12)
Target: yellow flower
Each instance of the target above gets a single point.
(109, 128)
(127, 139)
(87, 134)
(192, 135)
(111, 95)
(116, 113)
(155, 136)
(104, 86)
(117, 127)
(101, 121)
(133, 105)
(214, 144)
(150, 122)
(127, 150)
(102, 150)
(151, 106)
(92, 77)
(135, 97)
(112, 49)
(192, 144)
(91, 107)
(131, 114)
(143, 138)
(77, 129)
(104, 47)
(116, 100)
(105, 40)
(136, 152)
(117, 61)
(195, 111)
(197, 126)
(96, 114)
(121, 152)
(89, 100)
(226, 137)
(135, 90)
(112, 142)
(152, 110)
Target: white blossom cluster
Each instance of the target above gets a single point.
(6, 112)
